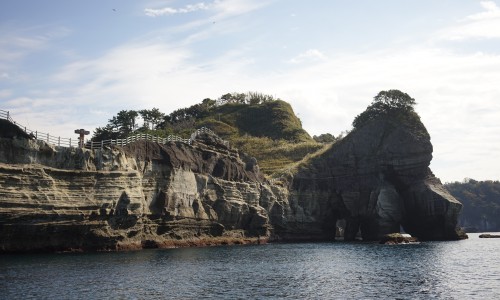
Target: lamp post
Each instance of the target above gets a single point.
(82, 133)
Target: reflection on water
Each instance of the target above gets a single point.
(445, 270)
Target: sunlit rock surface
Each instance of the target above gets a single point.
(148, 195)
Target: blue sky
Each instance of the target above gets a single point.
(74, 64)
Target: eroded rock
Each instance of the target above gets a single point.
(148, 195)
(378, 179)
(489, 236)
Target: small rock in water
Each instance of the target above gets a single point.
(398, 238)
(489, 236)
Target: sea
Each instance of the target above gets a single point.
(467, 269)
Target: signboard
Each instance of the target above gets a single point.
(82, 133)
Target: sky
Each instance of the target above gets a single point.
(66, 65)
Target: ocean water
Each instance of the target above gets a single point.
(468, 269)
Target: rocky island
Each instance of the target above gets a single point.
(150, 194)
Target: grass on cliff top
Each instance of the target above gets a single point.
(278, 156)
(275, 120)
(270, 132)
(305, 162)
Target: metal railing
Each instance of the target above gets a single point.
(205, 130)
(68, 142)
(42, 136)
(6, 116)
(135, 138)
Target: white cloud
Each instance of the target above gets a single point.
(220, 8)
(237, 7)
(308, 56)
(151, 12)
(131, 74)
(15, 45)
(483, 25)
(224, 19)
(492, 11)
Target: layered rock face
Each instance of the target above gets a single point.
(142, 195)
(153, 195)
(378, 179)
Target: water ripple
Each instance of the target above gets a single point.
(434, 270)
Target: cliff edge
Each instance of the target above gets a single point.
(377, 179)
(149, 194)
(142, 195)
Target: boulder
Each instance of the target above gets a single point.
(398, 238)
(489, 236)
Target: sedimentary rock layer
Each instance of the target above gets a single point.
(378, 179)
(162, 195)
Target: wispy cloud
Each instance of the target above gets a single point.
(483, 25)
(15, 45)
(238, 7)
(308, 56)
(492, 11)
(165, 11)
(138, 73)
(220, 8)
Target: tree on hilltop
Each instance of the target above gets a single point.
(124, 122)
(385, 103)
(152, 117)
(120, 126)
(324, 138)
(394, 99)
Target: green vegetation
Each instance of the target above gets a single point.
(396, 106)
(481, 203)
(391, 103)
(276, 155)
(324, 138)
(258, 124)
(275, 120)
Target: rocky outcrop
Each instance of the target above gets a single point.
(378, 179)
(489, 236)
(398, 238)
(142, 195)
(148, 194)
(481, 204)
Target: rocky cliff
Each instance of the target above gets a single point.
(481, 201)
(142, 195)
(378, 179)
(148, 194)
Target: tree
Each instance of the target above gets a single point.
(238, 98)
(152, 117)
(124, 122)
(105, 133)
(390, 102)
(324, 138)
(395, 100)
(208, 103)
